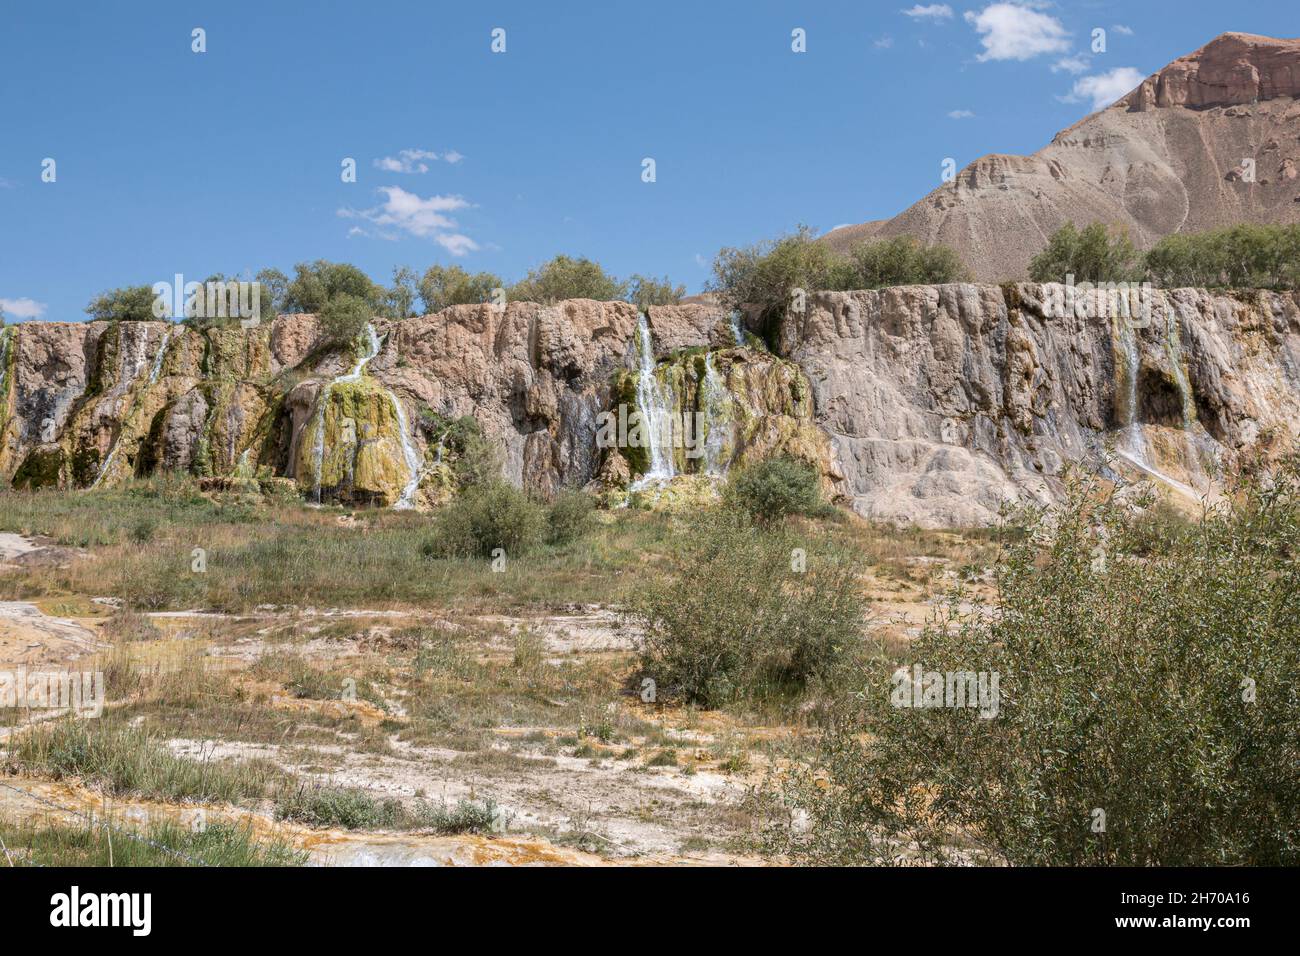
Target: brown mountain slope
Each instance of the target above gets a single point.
(1167, 157)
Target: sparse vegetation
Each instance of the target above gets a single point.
(1095, 254)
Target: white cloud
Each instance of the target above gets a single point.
(933, 11)
(22, 308)
(5, 184)
(1104, 88)
(961, 114)
(1010, 31)
(404, 212)
(415, 160)
(884, 43)
(1123, 30)
(1075, 63)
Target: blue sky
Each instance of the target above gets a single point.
(229, 160)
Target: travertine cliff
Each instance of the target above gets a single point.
(944, 401)
(926, 404)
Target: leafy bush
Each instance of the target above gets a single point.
(130, 304)
(1156, 689)
(485, 517)
(316, 284)
(569, 516)
(903, 261)
(1242, 256)
(474, 459)
(338, 807)
(643, 291)
(344, 318)
(442, 286)
(774, 488)
(1093, 255)
(765, 274)
(736, 620)
(567, 278)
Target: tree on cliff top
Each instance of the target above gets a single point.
(442, 286)
(315, 284)
(765, 274)
(128, 304)
(567, 278)
(1093, 255)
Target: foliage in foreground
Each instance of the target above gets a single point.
(1146, 712)
(170, 844)
(774, 488)
(749, 612)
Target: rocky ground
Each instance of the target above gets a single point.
(528, 709)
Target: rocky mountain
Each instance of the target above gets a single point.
(1174, 155)
(925, 404)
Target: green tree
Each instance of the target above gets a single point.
(442, 286)
(643, 291)
(399, 301)
(1241, 256)
(567, 278)
(128, 304)
(345, 317)
(904, 261)
(274, 286)
(1093, 255)
(765, 274)
(315, 284)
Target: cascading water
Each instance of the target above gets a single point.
(409, 454)
(736, 329)
(713, 402)
(1133, 447)
(158, 359)
(127, 380)
(656, 428)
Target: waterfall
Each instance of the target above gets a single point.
(158, 359)
(1134, 445)
(656, 428)
(409, 454)
(1133, 448)
(736, 329)
(126, 380)
(713, 402)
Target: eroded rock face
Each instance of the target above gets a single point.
(925, 404)
(944, 401)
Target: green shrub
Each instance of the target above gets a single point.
(314, 285)
(1158, 689)
(567, 278)
(903, 261)
(643, 291)
(344, 318)
(774, 488)
(735, 619)
(338, 807)
(569, 517)
(1093, 255)
(130, 304)
(1242, 256)
(443, 286)
(485, 517)
(764, 275)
